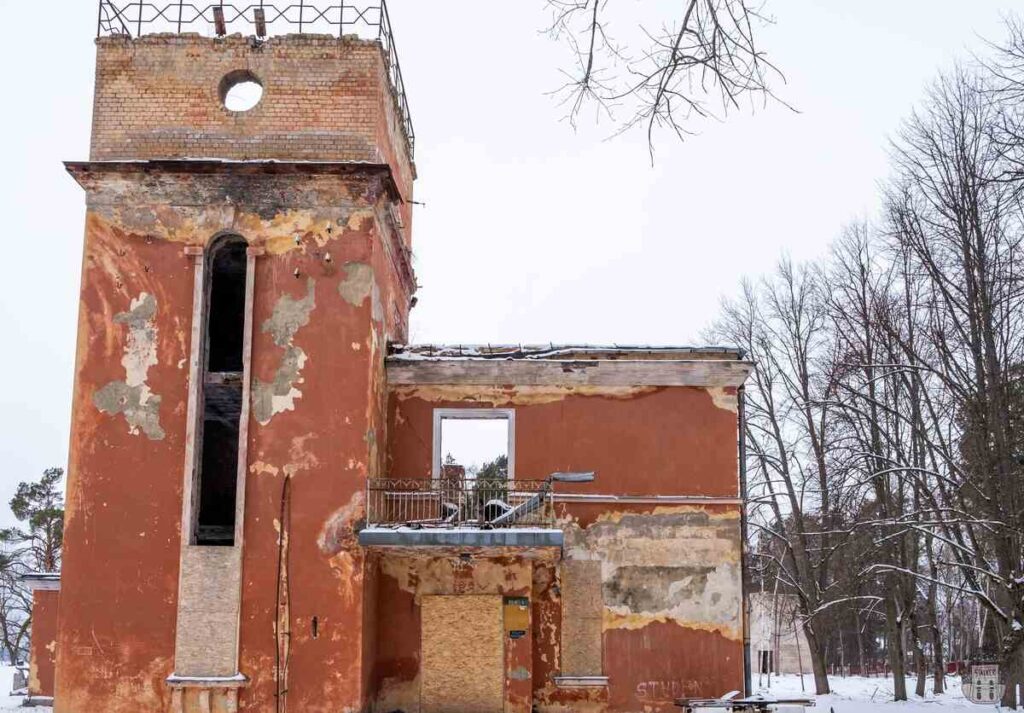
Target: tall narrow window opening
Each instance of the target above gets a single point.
(222, 384)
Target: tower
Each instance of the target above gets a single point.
(243, 272)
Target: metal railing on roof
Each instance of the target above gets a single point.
(452, 501)
(366, 18)
(459, 502)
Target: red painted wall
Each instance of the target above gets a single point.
(43, 654)
(658, 441)
(125, 489)
(667, 441)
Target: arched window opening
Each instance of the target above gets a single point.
(222, 384)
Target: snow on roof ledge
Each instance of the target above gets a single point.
(42, 581)
(561, 352)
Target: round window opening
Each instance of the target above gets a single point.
(241, 91)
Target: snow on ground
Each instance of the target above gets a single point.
(860, 694)
(853, 694)
(8, 702)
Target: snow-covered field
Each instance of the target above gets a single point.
(7, 702)
(857, 694)
(854, 694)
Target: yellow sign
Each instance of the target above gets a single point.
(517, 617)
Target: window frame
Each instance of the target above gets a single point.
(474, 414)
(198, 363)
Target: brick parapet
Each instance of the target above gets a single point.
(325, 99)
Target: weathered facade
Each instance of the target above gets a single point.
(247, 435)
(45, 588)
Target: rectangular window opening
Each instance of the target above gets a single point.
(474, 460)
(474, 444)
(222, 394)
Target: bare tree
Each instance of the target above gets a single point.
(699, 65)
(958, 225)
(886, 417)
(797, 502)
(1006, 89)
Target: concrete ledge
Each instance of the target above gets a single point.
(580, 681)
(236, 681)
(42, 581)
(460, 537)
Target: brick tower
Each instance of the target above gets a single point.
(243, 272)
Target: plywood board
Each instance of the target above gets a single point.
(462, 668)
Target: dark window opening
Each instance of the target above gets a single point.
(225, 324)
(222, 393)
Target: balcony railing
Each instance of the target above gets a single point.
(459, 503)
(366, 18)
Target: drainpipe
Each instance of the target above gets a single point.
(745, 584)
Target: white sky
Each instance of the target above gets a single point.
(473, 442)
(531, 232)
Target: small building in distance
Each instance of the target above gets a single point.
(777, 640)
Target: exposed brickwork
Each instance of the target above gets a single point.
(325, 99)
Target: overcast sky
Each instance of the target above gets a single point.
(531, 232)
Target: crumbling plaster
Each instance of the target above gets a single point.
(132, 396)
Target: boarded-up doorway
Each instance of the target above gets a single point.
(462, 667)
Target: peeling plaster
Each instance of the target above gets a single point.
(358, 283)
(724, 398)
(515, 395)
(396, 694)
(443, 575)
(339, 530)
(675, 564)
(289, 316)
(276, 226)
(133, 397)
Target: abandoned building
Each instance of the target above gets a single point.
(273, 504)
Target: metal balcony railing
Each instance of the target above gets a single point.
(366, 18)
(459, 502)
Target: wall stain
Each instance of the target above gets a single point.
(724, 398)
(677, 564)
(132, 397)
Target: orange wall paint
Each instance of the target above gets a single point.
(123, 522)
(667, 441)
(43, 655)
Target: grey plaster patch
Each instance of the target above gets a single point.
(643, 589)
(132, 397)
(673, 564)
(289, 316)
(358, 283)
(376, 304)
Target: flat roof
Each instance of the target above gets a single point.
(584, 365)
(561, 352)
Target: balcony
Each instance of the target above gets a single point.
(463, 512)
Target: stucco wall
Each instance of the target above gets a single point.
(669, 585)
(320, 425)
(43, 655)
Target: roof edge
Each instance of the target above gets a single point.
(562, 352)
